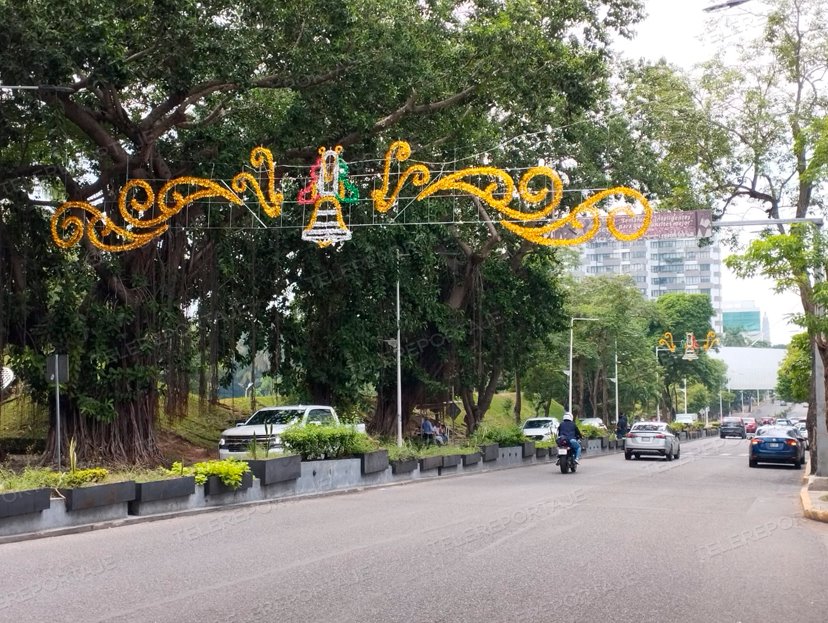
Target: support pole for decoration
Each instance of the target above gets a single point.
(399, 361)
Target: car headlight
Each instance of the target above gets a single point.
(221, 442)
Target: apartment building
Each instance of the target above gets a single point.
(660, 266)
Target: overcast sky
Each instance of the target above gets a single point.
(678, 31)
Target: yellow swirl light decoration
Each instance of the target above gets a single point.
(74, 227)
(68, 228)
(710, 340)
(401, 151)
(538, 235)
(667, 341)
(499, 193)
(261, 157)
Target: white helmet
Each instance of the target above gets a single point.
(568, 416)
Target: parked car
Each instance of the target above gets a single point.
(802, 429)
(267, 425)
(780, 421)
(594, 421)
(541, 428)
(653, 438)
(750, 425)
(732, 427)
(777, 445)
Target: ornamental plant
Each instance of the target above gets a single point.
(504, 436)
(229, 471)
(326, 442)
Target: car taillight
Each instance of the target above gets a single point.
(660, 437)
(792, 442)
(756, 440)
(629, 435)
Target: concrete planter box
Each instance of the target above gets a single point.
(471, 459)
(403, 466)
(430, 462)
(163, 496)
(373, 462)
(604, 442)
(451, 460)
(683, 435)
(214, 485)
(611, 444)
(83, 498)
(16, 503)
(541, 453)
(489, 452)
(277, 469)
(164, 489)
(528, 449)
(593, 445)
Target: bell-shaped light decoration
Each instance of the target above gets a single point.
(690, 347)
(326, 225)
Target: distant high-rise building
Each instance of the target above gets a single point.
(660, 267)
(746, 318)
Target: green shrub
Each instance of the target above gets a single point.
(41, 477)
(676, 427)
(546, 444)
(592, 432)
(229, 471)
(326, 442)
(503, 436)
(401, 453)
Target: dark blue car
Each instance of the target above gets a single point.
(777, 445)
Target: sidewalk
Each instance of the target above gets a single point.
(814, 503)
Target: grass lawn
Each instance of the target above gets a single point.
(20, 417)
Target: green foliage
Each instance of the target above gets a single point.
(501, 435)
(592, 432)
(793, 379)
(326, 442)
(676, 427)
(33, 478)
(401, 453)
(229, 471)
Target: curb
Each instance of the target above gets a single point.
(807, 506)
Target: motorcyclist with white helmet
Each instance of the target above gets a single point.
(569, 431)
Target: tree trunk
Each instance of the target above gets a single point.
(131, 437)
(518, 399)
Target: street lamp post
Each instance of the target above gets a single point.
(571, 338)
(616, 383)
(685, 394)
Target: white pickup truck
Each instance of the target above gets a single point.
(267, 425)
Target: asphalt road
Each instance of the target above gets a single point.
(704, 538)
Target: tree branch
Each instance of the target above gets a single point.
(385, 122)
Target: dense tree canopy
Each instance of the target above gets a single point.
(154, 90)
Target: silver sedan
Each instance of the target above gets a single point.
(652, 438)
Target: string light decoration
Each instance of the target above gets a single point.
(499, 194)
(328, 189)
(68, 227)
(690, 346)
(144, 215)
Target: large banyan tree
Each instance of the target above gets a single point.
(147, 91)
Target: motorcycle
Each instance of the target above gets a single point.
(566, 456)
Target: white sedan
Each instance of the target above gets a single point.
(652, 438)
